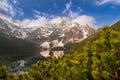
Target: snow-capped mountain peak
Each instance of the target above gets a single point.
(65, 30)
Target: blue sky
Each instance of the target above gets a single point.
(38, 12)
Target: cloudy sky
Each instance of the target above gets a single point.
(29, 13)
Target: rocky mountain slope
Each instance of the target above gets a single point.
(65, 32)
(11, 29)
(58, 33)
(77, 47)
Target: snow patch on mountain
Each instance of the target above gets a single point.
(60, 44)
(47, 34)
(45, 45)
(62, 35)
(54, 43)
(24, 35)
(45, 53)
(84, 34)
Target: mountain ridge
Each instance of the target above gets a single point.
(77, 47)
(65, 31)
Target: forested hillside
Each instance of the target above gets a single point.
(116, 26)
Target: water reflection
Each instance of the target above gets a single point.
(45, 53)
(48, 53)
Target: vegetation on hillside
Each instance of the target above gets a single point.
(116, 26)
(98, 59)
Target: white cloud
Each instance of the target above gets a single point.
(5, 6)
(79, 9)
(40, 21)
(57, 20)
(107, 1)
(75, 17)
(84, 19)
(68, 5)
(14, 1)
(72, 18)
(72, 14)
(20, 11)
(9, 9)
(36, 12)
(43, 18)
(68, 10)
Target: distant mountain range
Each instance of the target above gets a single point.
(16, 39)
(58, 33)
